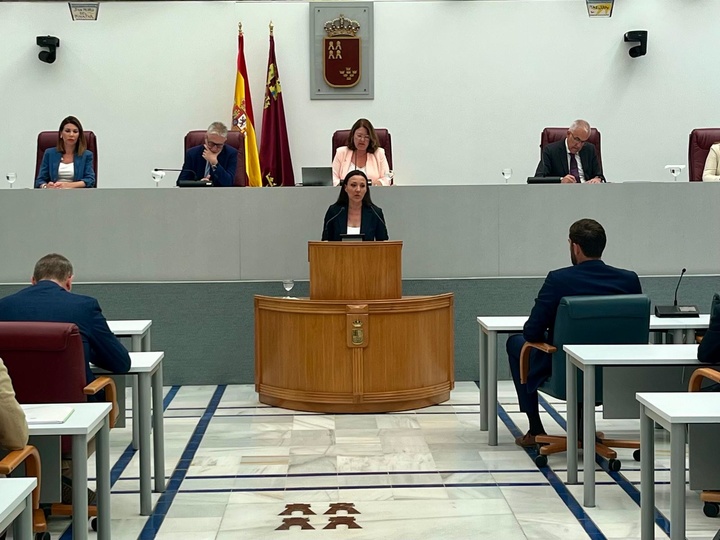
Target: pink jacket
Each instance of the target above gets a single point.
(375, 168)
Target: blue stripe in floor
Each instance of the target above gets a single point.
(126, 456)
(621, 481)
(154, 522)
(575, 508)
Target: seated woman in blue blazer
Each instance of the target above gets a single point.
(70, 163)
(354, 212)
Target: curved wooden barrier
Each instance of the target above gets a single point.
(340, 356)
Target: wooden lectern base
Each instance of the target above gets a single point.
(335, 356)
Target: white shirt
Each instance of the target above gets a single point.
(66, 172)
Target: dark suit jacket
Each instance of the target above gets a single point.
(554, 161)
(586, 279)
(49, 302)
(372, 223)
(709, 348)
(224, 173)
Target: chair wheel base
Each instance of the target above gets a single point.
(541, 461)
(614, 465)
(636, 455)
(42, 536)
(93, 524)
(711, 509)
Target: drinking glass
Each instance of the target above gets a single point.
(11, 177)
(288, 284)
(507, 173)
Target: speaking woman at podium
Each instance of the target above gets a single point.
(354, 212)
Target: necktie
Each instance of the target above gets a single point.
(574, 168)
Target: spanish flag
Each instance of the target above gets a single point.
(242, 116)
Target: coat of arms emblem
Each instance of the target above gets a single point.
(342, 53)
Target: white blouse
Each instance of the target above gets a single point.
(66, 171)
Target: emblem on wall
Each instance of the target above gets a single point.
(342, 53)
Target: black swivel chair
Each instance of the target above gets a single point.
(613, 319)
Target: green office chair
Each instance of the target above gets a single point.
(612, 319)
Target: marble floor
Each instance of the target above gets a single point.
(234, 465)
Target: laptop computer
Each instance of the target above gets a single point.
(317, 176)
(544, 179)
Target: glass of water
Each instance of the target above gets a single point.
(11, 177)
(288, 284)
(507, 173)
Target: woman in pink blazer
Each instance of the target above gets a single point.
(362, 153)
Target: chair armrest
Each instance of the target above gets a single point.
(108, 385)
(15, 458)
(525, 357)
(699, 374)
(31, 457)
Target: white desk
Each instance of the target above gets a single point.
(673, 411)
(139, 333)
(587, 358)
(87, 421)
(147, 368)
(490, 327)
(16, 506)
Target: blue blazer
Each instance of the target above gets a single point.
(83, 164)
(224, 173)
(372, 223)
(585, 279)
(49, 302)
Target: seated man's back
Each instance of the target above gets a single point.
(49, 300)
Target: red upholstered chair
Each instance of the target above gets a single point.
(340, 138)
(46, 363)
(48, 139)
(552, 134)
(234, 139)
(700, 142)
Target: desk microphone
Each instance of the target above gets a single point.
(675, 310)
(372, 207)
(342, 209)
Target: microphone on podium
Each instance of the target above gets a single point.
(675, 310)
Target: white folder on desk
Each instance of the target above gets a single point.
(47, 414)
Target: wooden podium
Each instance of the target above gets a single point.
(357, 345)
(355, 270)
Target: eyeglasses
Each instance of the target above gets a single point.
(214, 144)
(577, 139)
(362, 137)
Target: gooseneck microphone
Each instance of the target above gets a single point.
(342, 209)
(678, 285)
(677, 310)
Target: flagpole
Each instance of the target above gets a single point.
(272, 27)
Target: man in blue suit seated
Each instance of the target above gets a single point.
(49, 299)
(213, 161)
(588, 276)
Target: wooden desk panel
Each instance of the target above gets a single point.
(305, 358)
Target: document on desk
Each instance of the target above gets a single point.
(47, 414)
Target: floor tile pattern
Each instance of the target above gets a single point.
(237, 469)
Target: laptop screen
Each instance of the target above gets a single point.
(317, 176)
